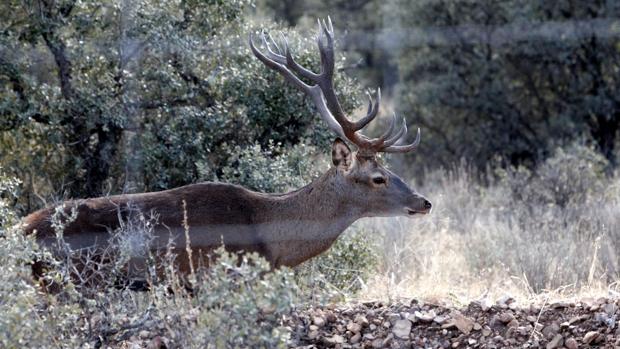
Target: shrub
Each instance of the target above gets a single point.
(345, 267)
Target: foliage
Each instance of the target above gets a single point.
(346, 266)
(242, 304)
(237, 302)
(510, 79)
(274, 169)
(141, 96)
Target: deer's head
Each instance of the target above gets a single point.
(366, 183)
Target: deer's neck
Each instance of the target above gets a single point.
(301, 224)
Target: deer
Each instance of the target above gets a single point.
(286, 229)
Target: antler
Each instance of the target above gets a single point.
(279, 58)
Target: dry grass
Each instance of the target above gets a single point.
(551, 233)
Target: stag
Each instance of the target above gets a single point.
(286, 229)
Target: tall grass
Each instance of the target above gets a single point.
(556, 228)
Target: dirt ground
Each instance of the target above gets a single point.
(588, 323)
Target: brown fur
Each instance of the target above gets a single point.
(286, 229)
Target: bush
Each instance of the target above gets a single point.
(237, 302)
(345, 267)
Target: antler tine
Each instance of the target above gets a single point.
(273, 63)
(268, 41)
(403, 130)
(326, 51)
(390, 129)
(373, 110)
(291, 63)
(313, 91)
(324, 95)
(403, 148)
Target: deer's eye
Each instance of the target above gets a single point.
(378, 180)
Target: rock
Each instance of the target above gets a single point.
(377, 343)
(485, 304)
(356, 338)
(506, 317)
(576, 319)
(361, 320)
(144, 334)
(610, 308)
(402, 328)
(591, 337)
(331, 341)
(313, 334)
(155, 343)
(571, 343)
(463, 323)
(505, 300)
(424, 316)
(318, 320)
(560, 305)
(531, 318)
(392, 318)
(486, 331)
(440, 319)
(354, 327)
(385, 343)
(556, 342)
(313, 328)
(550, 330)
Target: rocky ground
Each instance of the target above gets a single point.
(583, 324)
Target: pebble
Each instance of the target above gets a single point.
(571, 343)
(556, 342)
(402, 328)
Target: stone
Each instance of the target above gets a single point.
(513, 323)
(377, 343)
(144, 334)
(319, 321)
(571, 343)
(556, 342)
(550, 330)
(402, 328)
(440, 319)
(361, 320)
(610, 308)
(331, 341)
(591, 337)
(486, 331)
(506, 317)
(576, 319)
(463, 323)
(354, 327)
(424, 316)
(356, 338)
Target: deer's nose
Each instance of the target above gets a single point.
(427, 205)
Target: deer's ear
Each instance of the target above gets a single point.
(341, 154)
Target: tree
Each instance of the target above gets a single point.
(106, 97)
(509, 79)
